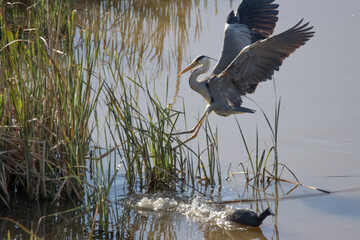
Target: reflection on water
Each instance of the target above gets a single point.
(213, 233)
(146, 34)
(50, 221)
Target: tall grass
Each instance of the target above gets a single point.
(48, 96)
(47, 99)
(143, 130)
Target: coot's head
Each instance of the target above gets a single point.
(268, 212)
(265, 213)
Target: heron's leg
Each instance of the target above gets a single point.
(189, 131)
(197, 131)
(198, 124)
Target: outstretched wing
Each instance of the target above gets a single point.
(254, 20)
(257, 62)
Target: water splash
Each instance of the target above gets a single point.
(200, 211)
(157, 204)
(197, 210)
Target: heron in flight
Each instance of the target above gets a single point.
(249, 56)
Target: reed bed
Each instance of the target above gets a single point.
(142, 127)
(46, 103)
(48, 97)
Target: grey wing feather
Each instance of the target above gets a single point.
(254, 20)
(236, 37)
(257, 62)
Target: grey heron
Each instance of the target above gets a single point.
(249, 56)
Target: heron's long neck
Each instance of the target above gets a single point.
(198, 86)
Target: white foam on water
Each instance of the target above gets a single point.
(200, 211)
(197, 210)
(157, 204)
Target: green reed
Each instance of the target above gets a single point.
(144, 132)
(47, 99)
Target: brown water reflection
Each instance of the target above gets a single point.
(45, 220)
(146, 34)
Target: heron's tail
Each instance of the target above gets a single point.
(244, 110)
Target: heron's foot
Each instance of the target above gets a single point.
(185, 132)
(174, 148)
(187, 140)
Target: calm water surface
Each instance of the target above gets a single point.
(319, 120)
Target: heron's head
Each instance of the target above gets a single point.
(198, 61)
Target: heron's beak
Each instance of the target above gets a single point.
(191, 66)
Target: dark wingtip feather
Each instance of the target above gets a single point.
(231, 19)
(259, 16)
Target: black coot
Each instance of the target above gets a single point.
(248, 217)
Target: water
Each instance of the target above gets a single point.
(319, 120)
